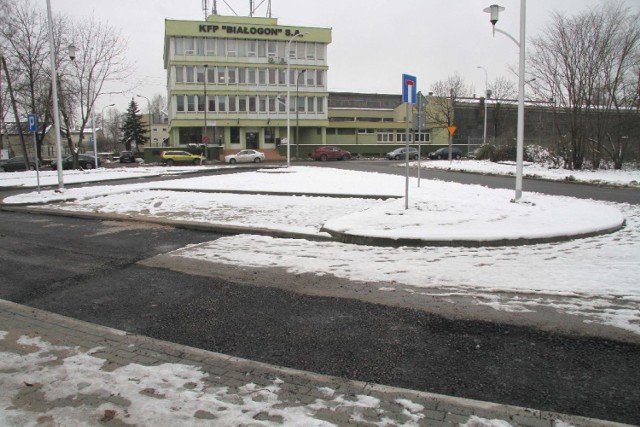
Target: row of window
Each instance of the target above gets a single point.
(248, 104)
(241, 48)
(382, 135)
(250, 76)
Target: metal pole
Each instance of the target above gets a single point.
(95, 140)
(486, 92)
(35, 147)
(520, 132)
(297, 113)
(54, 87)
(418, 134)
(102, 115)
(288, 53)
(206, 69)
(406, 157)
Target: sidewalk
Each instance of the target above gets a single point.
(55, 370)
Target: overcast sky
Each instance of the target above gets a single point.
(374, 41)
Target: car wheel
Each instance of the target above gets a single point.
(88, 166)
(439, 157)
(257, 160)
(32, 167)
(456, 156)
(346, 157)
(323, 158)
(416, 157)
(397, 157)
(170, 162)
(195, 162)
(232, 161)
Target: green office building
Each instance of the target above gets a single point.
(228, 79)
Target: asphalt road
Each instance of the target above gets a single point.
(94, 271)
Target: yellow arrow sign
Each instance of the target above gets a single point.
(452, 130)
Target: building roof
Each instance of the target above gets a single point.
(369, 101)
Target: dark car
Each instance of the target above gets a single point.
(399, 154)
(16, 164)
(443, 153)
(85, 161)
(329, 152)
(127, 157)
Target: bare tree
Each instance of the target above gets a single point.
(585, 63)
(440, 110)
(100, 57)
(158, 104)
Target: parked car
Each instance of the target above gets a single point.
(85, 161)
(399, 154)
(16, 164)
(174, 156)
(245, 156)
(329, 152)
(443, 153)
(127, 157)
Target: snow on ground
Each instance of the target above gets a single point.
(596, 276)
(164, 395)
(627, 177)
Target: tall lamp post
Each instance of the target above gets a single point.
(494, 10)
(289, 96)
(148, 111)
(300, 73)
(54, 87)
(486, 94)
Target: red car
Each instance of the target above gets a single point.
(329, 152)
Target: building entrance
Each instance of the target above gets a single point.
(252, 140)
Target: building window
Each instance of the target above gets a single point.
(320, 78)
(232, 104)
(221, 47)
(263, 104)
(272, 104)
(200, 74)
(242, 104)
(321, 105)
(232, 47)
(200, 46)
(282, 75)
(235, 135)
(180, 103)
(190, 72)
(253, 48)
(269, 135)
(222, 103)
(179, 74)
(211, 47)
(272, 48)
(311, 77)
(272, 76)
(178, 46)
(231, 75)
(191, 103)
(222, 75)
(212, 103)
(262, 76)
(242, 76)
(201, 103)
(262, 48)
(311, 104)
(252, 76)
(188, 45)
(252, 104)
(211, 74)
(301, 102)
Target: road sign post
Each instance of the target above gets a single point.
(409, 95)
(33, 128)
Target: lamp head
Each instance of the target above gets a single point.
(72, 51)
(493, 11)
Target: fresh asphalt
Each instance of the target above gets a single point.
(88, 269)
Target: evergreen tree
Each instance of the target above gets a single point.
(133, 133)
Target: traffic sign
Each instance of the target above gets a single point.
(91, 140)
(206, 140)
(33, 123)
(452, 130)
(409, 89)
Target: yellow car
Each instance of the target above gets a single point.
(172, 157)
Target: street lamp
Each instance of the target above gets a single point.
(494, 10)
(54, 87)
(148, 111)
(300, 73)
(289, 96)
(205, 140)
(102, 117)
(486, 93)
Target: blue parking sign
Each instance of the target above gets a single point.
(33, 123)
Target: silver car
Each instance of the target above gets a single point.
(245, 156)
(399, 154)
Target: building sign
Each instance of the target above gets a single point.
(240, 29)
